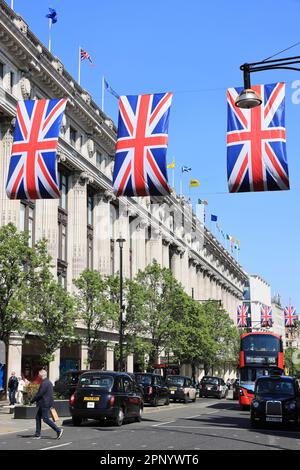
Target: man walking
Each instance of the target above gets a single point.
(44, 401)
(12, 388)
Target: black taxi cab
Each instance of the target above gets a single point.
(100, 395)
(276, 401)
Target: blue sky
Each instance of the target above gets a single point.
(194, 48)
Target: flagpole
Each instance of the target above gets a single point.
(79, 65)
(12, 4)
(102, 98)
(50, 31)
(180, 189)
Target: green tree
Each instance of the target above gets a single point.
(15, 254)
(192, 343)
(224, 336)
(51, 312)
(163, 300)
(96, 306)
(134, 330)
(291, 358)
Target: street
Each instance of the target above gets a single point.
(208, 424)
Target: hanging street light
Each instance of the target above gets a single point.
(248, 98)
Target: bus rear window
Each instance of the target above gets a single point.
(260, 343)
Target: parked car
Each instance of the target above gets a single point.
(276, 400)
(139, 388)
(155, 389)
(236, 389)
(181, 388)
(65, 386)
(213, 387)
(106, 395)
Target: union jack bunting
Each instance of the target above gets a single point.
(140, 163)
(32, 171)
(242, 315)
(256, 142)
(290, 316)
(266, 315)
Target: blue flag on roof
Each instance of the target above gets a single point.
(110, 89)
(52, 15)
(214, 218)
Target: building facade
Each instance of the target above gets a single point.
(83, 225)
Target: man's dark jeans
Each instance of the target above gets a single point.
(12, 397)
(44, 414)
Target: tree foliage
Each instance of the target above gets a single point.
(15, 255)
(50, 308)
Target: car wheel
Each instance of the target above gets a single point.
(220, 396)
(186, 399)
(154, 402)
(167, 402)
(76, 420)
(140, 415)
(120, 418)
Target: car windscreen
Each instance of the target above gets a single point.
(275, 387)
(176, 381)
(210, 380)
(143, 379)
(97, 381)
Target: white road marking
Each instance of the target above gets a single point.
(162, 424)
(191, 417)
(55, 447)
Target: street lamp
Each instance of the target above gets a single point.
(248, 98)
(121, 244)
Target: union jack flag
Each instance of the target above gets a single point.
(242, 315)
(256, 142)
(140, 164)
(32, 171)
(290, 316)
(266, 315)
(85, 55)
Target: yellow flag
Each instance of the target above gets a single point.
(171, 165)
(194, 183)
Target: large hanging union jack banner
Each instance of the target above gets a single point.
(242, 315)
(266, 316)
(33, 168)
(290, 316)
(140, 164)
(256, 142)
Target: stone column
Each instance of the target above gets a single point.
(166, 252)
(129, 367)
(102, 234)
(10, 209)
(46, 211)
(176, 265)
(14, 354)
(155, 246)
(109, 358)
(54, 367)
(77, 223)
(185, 272)
(84, 357)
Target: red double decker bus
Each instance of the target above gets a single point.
(261, 353)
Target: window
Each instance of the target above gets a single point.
(73, 136)
(27, 222)
(98, 160)
(62, 229)
(12, 81)
(1, 73)
(63, 186)
(90, 230)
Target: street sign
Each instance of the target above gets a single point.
(2, 352)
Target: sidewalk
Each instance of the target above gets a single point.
(8, 424)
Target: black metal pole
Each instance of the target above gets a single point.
(246, 72)
(121, 309)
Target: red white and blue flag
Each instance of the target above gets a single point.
(266, 315)
(140, 164)
(256, 142)
(290, 316)
(32, 171)
(242, 315)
